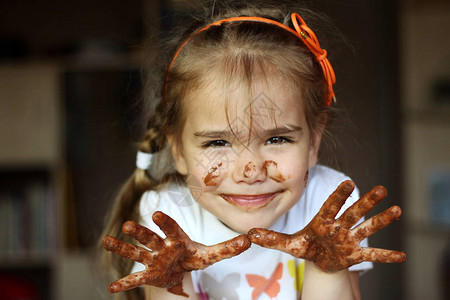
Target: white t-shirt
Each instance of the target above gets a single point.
(258, 273)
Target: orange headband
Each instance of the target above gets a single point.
(303, 32)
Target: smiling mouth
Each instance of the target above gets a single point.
(250, 200)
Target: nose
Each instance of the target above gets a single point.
(249, 169)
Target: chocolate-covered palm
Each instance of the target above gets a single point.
(332, 244)
(168, 259)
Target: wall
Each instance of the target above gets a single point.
(426, 153)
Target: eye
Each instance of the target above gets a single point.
(276, 140)
(216, 144)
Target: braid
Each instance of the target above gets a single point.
(126, 204)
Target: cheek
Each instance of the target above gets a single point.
(293, 166)
(297, 174)
(195, 186)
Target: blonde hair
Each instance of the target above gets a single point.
(238, 49)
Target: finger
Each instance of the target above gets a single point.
(294, 244)
(334, 203)
(168, 225)
(383, 255)
(361, 207)
(205, 256)
(127, 282)
(269, 239)
(230, 248)
(226, 249)
(143, 235)
(126, 250)
(376, 223)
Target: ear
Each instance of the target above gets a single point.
(316, 139)
(177, 154)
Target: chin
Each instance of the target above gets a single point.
(250, 223)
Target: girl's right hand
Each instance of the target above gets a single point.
(168, 259)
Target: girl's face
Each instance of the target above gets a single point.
(246, 163)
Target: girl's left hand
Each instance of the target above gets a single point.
(331, 243)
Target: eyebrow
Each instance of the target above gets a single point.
(228, 133)
(283, 130)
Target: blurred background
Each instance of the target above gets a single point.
(70, 89)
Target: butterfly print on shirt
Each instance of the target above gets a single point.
(270, 286)
(297, 272)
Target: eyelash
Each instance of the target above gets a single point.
(216, 144)
(275, 140)
(279, 140)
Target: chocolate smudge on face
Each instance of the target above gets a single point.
(209, 178)
(306, 177)
(273, 173)
(248, 169)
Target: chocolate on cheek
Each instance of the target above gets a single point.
(270, 168)
(212, 178)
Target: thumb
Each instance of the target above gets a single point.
(294, 244)
(268, 238)
(207, 255)
(229, 248)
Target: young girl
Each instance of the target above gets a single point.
(232, 191)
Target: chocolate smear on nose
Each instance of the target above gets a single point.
(248, 169)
